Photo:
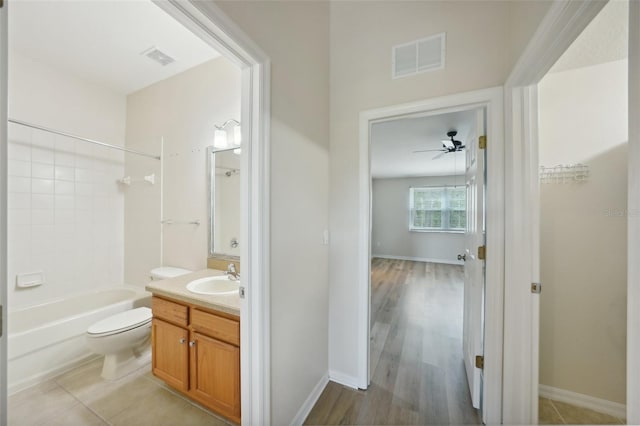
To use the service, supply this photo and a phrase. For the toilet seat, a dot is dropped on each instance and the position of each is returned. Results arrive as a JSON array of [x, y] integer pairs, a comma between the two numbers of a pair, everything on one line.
[[121, 322]]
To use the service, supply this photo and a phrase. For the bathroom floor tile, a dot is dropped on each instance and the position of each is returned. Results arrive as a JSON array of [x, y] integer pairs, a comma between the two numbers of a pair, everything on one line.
[[158, 407], [35, 407], [78, 415], [81, 397]]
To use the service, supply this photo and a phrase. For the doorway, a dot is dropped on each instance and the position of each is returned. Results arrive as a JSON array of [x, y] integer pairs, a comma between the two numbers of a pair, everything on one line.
[[206, 21], [560, 28], [491, 100], [419, 299]]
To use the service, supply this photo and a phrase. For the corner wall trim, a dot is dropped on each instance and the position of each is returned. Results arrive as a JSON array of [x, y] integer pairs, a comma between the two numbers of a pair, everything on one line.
[[343, 379], [419, 259], [596, 404], [311, 400]]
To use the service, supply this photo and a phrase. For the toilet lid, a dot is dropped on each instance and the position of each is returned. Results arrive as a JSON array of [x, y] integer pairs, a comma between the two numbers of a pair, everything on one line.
[[122, 321], [164, 272]]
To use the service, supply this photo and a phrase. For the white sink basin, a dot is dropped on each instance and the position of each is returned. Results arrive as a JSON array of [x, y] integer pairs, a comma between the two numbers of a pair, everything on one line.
[[214, 285]]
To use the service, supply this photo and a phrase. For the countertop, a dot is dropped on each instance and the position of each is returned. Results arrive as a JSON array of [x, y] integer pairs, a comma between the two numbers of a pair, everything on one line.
[[176, 288]]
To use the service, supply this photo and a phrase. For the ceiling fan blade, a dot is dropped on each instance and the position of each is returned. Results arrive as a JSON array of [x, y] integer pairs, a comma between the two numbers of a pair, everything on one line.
[[439, 155], [447, 143], [428, 150]]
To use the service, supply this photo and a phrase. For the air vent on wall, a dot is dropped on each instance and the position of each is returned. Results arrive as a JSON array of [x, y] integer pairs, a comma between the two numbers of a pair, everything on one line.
[[418, 56], [158, 56]]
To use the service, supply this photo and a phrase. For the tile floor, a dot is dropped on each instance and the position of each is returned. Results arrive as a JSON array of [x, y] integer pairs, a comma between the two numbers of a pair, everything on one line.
[[81, 397], [559, 413]]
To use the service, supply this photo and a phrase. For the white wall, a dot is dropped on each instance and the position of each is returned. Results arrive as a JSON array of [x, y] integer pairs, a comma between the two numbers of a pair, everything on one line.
[[65, 207], [484, 39], [182, 111], [295, 35], [390, 235], [583, 119]]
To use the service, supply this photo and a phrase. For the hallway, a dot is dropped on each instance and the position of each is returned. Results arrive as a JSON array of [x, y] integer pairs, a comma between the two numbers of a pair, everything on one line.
[[416, 352]]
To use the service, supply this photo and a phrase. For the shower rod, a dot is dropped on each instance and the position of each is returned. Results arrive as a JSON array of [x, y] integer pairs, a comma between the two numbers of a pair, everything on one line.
[[69, 135]]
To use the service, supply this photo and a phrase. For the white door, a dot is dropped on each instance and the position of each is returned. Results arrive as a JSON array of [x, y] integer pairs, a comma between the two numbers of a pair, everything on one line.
[[473, 317], [3, 210]]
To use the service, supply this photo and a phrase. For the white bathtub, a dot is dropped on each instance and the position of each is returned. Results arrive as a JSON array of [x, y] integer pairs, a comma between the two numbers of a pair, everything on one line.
[[47, 339]]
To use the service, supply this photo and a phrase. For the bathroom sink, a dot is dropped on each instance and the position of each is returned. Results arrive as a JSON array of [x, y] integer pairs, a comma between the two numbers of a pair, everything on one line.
[[214, 285]]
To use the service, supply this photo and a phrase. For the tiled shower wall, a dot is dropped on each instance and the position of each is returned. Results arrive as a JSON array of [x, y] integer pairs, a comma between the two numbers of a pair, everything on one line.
[[66, 215]]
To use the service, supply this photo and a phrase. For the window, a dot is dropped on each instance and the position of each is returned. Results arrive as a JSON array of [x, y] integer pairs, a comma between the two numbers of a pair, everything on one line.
[[437, 209]]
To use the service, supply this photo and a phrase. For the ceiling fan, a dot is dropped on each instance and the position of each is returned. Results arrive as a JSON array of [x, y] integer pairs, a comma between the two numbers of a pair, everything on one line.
[[448, 146]]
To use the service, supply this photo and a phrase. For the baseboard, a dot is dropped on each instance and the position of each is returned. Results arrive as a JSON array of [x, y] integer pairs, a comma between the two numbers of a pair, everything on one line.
[[311, 400], [420, 259], [343, 379], [596, 404]]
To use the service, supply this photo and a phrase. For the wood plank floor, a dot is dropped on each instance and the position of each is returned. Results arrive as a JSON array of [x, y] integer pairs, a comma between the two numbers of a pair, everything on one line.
[[416, 352]]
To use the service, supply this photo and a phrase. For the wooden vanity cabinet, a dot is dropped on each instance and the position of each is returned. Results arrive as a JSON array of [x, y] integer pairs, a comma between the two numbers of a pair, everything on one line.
[[198, 354]]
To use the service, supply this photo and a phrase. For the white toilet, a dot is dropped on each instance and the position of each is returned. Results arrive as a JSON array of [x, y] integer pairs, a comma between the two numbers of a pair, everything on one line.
[[124, 338]]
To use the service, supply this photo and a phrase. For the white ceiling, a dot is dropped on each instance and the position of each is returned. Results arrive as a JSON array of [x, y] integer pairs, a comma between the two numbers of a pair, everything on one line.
[[393, 143], [102, 41], [604, 40]]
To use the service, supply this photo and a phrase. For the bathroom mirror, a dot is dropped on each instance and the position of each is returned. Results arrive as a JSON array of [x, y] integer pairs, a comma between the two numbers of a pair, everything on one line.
[[224, 202]]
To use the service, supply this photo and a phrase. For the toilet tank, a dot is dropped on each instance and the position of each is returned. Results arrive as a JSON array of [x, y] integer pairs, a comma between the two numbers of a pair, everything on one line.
[[164, 272]]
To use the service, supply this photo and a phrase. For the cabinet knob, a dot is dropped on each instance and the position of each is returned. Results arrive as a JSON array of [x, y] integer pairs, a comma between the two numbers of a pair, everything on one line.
[[192, 343], [182, 340]]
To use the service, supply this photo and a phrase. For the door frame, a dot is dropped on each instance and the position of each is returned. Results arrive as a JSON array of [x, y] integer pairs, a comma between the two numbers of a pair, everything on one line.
[[209, 22], [492, 100], [4, 285], [562, 24]]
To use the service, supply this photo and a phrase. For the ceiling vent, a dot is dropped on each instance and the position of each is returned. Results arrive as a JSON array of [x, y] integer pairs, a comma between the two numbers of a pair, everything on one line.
[[158, 56], [418, 56]]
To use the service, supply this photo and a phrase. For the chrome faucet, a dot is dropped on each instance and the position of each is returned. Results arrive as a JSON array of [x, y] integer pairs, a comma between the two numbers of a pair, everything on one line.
[[232, 273]]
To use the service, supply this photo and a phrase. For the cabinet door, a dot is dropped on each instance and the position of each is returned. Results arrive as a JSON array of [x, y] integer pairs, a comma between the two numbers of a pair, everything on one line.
[[215, 374], [170, 354]]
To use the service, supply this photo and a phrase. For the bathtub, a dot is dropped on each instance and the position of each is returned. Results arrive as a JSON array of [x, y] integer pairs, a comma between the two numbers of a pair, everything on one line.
[[48, 339]]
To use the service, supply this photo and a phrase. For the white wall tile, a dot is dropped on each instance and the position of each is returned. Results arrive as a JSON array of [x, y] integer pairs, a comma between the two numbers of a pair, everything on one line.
[[18, 217], [64, 173], [64, 201], [42, 186], [84, 189], [42, 216], [19, 151], [84, 175], [65, 144], [65, 159], [19, 200], [42, 155], [43, 171], [19, 168], [42, 201], [64, 187], [64, 216], [19, 184], [42, 139], [83, 202]]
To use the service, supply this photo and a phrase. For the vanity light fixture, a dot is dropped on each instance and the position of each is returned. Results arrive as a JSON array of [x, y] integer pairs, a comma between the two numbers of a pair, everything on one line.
[[220, 138]]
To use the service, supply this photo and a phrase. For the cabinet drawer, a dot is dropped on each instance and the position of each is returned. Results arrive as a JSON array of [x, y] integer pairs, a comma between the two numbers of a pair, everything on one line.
[[214, 326], [170, 311]]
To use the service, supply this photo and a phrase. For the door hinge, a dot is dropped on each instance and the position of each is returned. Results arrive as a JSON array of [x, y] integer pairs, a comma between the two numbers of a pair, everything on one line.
[[536, 288], [241, 291], [480, 362], [482, 142], [482, 252]]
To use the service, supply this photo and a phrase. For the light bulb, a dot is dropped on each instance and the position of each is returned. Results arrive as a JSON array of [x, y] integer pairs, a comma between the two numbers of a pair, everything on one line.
[[220, 139], [237, 135]]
